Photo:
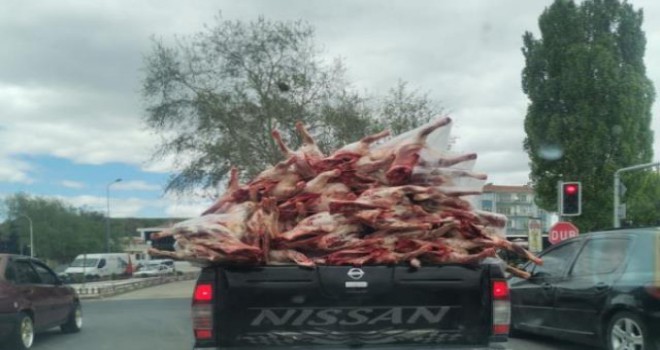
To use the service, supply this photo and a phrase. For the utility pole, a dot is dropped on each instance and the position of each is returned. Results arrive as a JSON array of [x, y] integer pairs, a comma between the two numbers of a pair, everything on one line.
[[31, 236], [617, 186]]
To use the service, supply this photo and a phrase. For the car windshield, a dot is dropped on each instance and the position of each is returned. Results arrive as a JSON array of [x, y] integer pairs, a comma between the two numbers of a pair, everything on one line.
[[84, 263], [316, 165]]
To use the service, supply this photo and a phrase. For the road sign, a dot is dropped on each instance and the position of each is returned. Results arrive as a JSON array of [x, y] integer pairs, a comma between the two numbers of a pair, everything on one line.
[[562, 231], [534, 240], [622, 211]]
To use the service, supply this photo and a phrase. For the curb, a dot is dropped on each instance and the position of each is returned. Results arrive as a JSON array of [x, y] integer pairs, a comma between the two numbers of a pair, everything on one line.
[[97, 292]]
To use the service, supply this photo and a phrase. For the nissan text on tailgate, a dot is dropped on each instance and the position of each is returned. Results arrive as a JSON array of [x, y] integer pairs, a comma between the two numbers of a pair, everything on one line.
[[341, 307]]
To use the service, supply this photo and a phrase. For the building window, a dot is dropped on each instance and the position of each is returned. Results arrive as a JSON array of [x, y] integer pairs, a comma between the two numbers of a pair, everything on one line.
[[504, 210], [487, 205]]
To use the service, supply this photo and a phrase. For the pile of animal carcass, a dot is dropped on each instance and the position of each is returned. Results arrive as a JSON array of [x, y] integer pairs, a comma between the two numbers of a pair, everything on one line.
[[375, 201]]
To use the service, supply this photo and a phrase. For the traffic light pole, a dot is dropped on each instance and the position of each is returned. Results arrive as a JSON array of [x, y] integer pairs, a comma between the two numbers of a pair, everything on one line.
[[559, 210], [617, 186]]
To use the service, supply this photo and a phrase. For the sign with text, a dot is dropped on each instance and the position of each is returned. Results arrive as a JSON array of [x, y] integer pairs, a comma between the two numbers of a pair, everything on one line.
[[562, 231], [534, 239]]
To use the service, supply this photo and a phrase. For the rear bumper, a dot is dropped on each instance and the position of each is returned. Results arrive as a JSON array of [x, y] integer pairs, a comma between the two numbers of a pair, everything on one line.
[[7, 324], [494, 346]]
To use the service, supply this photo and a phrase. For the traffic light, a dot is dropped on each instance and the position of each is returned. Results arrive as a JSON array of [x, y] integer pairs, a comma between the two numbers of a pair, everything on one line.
[[571, 199]]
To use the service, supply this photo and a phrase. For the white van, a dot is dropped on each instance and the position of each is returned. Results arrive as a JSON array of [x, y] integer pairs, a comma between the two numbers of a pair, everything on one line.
[[95, 266]]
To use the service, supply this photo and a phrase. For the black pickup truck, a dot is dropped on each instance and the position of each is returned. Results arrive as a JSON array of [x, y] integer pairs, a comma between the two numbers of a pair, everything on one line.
[[342, 307]]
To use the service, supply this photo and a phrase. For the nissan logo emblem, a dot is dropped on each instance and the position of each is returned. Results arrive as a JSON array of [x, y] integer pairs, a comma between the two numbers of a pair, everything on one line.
[[355, 273]]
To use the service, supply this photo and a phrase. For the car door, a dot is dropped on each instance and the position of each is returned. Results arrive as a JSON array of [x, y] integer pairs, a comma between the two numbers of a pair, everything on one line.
[[533, 299], [29, 286], [582, 295], [61, 299]]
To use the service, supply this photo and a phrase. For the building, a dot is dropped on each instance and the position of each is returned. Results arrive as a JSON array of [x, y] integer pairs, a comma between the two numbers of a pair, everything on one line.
[[517, 203], [144, 242]]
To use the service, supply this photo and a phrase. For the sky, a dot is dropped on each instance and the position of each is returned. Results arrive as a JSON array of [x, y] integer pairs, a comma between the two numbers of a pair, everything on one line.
[[71, 114]]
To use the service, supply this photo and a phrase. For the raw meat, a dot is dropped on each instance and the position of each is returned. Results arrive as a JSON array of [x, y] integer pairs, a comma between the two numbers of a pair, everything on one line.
[[374, 201]]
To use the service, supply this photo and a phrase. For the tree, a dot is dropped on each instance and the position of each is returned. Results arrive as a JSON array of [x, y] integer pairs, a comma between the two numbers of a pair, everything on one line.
[[60, 231], [642, 199], [403, 110], [589, 109], [215, 98]]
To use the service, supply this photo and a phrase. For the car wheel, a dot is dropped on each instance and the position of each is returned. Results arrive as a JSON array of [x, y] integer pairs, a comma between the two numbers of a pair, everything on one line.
[[75, 320], [23, 335], [626, 331]]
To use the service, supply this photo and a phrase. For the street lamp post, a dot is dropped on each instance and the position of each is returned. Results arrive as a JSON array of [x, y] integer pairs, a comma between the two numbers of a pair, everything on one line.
[[31, 236], [107, 217]]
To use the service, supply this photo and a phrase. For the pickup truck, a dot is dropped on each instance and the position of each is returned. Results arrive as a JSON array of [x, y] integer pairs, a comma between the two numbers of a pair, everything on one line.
[[340, 307]]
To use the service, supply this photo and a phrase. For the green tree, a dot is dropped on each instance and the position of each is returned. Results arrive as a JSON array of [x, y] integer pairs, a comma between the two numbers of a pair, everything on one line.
[[589, 109], [60, 231], [215, 97], [642, 199]]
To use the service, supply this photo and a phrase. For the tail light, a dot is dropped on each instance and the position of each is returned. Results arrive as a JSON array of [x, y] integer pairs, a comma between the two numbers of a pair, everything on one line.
[[501, 307], [202, 311], [653, 289]]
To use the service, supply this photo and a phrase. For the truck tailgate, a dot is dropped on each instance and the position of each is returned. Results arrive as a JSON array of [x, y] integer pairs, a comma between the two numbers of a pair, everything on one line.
[[345, 306]]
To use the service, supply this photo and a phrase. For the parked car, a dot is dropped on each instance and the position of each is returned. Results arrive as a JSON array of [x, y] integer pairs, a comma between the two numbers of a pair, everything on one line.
[[600, 288], [167, 262], [33, 299], [154, 269]]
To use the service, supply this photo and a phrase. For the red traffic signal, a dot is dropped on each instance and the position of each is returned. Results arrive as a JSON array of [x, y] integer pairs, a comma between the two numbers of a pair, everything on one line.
[[570, 199], [571, 189]]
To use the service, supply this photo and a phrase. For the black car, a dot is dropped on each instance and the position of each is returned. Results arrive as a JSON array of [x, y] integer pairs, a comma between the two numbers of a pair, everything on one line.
[[601, 288]]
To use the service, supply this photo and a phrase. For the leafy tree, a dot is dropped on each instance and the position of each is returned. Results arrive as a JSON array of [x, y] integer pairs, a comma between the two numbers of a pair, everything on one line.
[[60, 231], [642, 199], [589, 109], [215, 97], [404, 110]]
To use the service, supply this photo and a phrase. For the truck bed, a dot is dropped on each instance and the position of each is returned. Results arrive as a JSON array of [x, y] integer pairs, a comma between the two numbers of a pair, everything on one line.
[[344, 307]]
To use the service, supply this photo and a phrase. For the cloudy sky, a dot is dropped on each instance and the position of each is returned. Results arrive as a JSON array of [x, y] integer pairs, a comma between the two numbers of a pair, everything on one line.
[[70, 75]]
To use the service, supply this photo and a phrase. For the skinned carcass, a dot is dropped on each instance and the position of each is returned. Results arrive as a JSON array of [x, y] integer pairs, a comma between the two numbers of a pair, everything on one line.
[[375, 201]]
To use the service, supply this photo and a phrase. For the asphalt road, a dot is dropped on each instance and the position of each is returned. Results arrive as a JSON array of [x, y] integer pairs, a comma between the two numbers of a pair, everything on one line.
[[159, 318]]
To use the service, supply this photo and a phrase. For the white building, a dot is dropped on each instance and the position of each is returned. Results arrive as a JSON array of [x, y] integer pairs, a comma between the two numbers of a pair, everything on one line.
[[517, 203]]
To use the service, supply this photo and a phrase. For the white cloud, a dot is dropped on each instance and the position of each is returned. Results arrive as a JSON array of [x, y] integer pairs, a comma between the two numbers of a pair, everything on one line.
[[119, 207], [73, 184], [188, 205], [137, 185], [185, 210], [13, 170], [173, 206]]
